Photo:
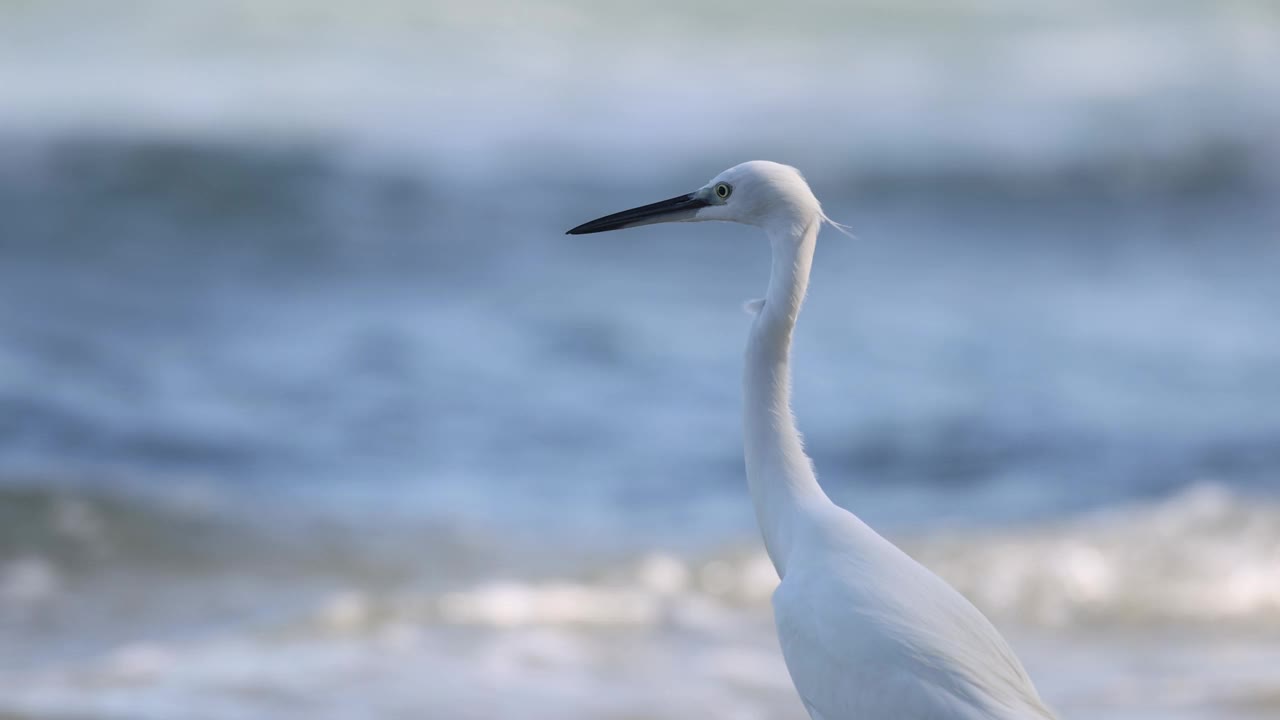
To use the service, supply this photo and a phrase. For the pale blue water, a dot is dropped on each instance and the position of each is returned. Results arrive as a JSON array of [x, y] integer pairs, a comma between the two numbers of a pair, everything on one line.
[[308, 408]]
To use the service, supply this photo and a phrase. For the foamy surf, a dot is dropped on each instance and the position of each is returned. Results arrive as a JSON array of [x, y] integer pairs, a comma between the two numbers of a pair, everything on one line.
[[1203, 556], [1191, 578]]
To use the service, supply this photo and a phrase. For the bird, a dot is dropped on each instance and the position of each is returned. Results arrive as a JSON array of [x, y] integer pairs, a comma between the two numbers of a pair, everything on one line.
[[866, 632]]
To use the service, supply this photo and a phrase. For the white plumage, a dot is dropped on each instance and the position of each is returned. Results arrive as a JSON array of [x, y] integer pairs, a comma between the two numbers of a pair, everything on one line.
[[867, 632]]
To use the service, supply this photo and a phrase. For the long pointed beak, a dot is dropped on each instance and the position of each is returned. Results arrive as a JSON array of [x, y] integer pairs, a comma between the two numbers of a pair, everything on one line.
[[673, 210]]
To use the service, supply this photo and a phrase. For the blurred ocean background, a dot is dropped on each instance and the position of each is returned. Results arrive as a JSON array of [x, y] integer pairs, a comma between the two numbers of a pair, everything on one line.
[[309, 409]]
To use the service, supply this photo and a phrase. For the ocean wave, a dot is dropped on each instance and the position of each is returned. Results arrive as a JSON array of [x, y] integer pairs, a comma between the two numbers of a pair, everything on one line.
[[158, 200], [1086, 601], [1098, 94], [155, 545], [1202, 556], [1205, 555], [76, 530]]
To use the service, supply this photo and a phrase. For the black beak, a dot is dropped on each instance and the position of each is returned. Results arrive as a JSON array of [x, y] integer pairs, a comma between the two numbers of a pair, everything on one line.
[[673, 210]]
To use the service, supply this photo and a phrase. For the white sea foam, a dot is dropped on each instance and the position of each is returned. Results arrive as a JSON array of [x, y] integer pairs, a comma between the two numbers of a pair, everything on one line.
[[1112, 611], [1202, 556], [1060, 84]]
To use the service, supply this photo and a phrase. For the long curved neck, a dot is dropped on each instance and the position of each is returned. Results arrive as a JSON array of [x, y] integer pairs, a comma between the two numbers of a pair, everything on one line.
[[779, 474]]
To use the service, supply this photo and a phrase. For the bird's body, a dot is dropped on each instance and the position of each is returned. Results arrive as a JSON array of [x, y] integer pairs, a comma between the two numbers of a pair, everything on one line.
[[867, 632]]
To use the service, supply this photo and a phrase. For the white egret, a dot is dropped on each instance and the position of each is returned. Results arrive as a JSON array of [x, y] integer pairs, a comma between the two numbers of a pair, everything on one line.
[[867, 632]]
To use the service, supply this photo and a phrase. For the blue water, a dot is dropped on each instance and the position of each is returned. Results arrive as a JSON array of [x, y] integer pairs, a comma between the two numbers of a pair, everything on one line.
[[984, 353]]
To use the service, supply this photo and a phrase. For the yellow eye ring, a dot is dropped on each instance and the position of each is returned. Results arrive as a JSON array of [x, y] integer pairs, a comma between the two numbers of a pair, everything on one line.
[[723, 190]]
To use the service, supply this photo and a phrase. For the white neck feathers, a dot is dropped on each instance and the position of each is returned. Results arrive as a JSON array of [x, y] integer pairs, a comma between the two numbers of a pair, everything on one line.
[[779, 474]]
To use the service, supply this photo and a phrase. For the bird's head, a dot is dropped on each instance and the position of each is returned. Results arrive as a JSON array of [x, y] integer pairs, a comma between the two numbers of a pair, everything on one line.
[[765, 194]]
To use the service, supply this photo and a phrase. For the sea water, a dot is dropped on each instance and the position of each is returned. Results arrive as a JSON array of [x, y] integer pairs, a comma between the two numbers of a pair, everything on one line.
[[309, 409]]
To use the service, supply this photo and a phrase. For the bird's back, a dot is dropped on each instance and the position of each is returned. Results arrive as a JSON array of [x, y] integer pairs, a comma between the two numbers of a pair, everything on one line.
[[870, 634]]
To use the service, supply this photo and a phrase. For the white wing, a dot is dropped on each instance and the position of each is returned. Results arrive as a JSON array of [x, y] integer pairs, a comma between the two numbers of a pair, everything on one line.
[[870, 634]]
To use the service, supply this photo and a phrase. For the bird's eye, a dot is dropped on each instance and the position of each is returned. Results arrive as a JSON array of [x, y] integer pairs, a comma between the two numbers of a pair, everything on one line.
[[723, 190]]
